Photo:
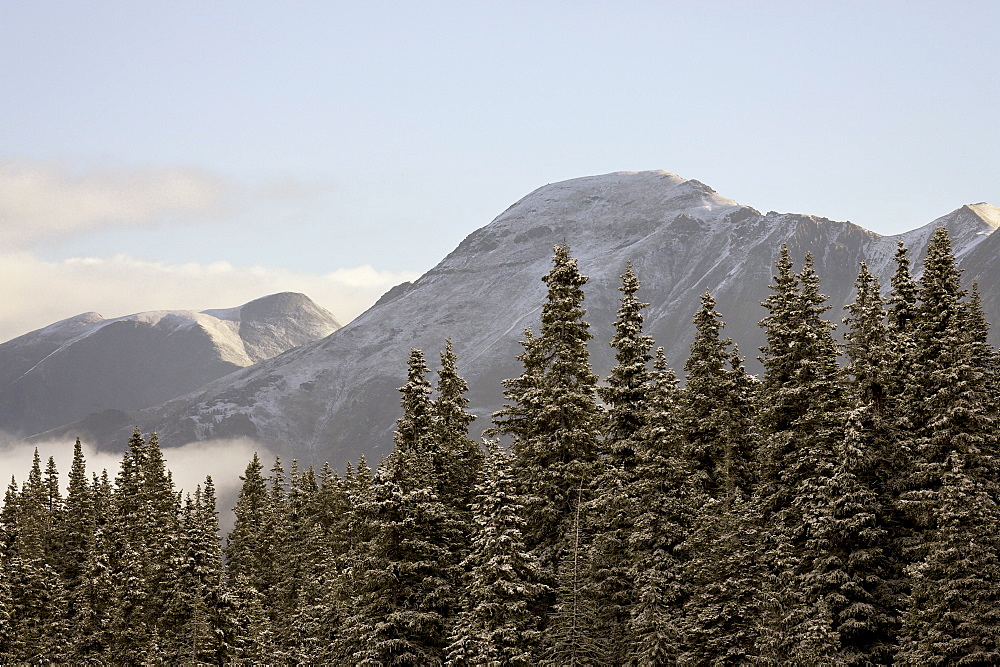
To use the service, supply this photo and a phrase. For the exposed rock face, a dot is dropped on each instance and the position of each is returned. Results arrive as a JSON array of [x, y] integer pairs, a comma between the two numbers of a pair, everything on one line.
[[336, 398], [89, 364]]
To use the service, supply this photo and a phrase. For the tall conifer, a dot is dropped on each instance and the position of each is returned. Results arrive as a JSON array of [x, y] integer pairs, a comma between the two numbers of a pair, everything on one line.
[[552, 413]]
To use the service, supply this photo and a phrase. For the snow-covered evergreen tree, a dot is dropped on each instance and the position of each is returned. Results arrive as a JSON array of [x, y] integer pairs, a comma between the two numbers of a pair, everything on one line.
[[499, 625], [401, 576], [717, 409], [801, 420], [458, 458], [954, 611], [663, 493], [552, 414], [38, 597], [608, 587]]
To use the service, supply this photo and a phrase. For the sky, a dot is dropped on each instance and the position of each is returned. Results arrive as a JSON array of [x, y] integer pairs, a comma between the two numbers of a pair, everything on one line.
[[193, 155]]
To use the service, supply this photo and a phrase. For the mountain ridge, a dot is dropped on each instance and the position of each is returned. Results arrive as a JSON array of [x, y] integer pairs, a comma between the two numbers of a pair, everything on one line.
[[174, 351], [336, 398]]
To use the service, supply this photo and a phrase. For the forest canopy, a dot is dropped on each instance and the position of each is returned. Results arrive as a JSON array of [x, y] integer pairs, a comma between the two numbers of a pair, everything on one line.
[[842, 508]]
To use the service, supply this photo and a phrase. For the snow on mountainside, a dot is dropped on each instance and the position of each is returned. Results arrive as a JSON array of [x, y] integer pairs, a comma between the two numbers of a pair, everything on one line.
[[336, 398], [87, 363]]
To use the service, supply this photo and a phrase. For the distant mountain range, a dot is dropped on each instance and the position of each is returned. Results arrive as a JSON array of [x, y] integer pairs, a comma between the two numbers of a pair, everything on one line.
[[335, 398], [88, 364]]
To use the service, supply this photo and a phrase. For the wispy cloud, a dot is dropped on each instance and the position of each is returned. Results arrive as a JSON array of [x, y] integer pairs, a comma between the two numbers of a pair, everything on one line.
[[43, 200], [38, 292]]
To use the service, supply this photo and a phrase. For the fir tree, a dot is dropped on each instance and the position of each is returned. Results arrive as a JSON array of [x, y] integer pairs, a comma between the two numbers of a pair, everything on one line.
[[552, 413], [717, 409], [663, 493], [610, 514], [498, 624], [801, 419]]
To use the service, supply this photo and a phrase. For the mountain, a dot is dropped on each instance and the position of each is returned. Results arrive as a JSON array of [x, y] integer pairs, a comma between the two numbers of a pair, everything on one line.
[[87, 363], [336, 398]]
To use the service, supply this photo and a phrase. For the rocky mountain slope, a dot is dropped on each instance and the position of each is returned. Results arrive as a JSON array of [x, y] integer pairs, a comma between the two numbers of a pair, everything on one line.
[[85, 364], [336, 398]]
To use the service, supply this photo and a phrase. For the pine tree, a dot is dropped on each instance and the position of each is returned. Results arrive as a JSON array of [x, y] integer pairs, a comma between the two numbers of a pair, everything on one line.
[[459, 458], [801, 419], [717, 408], [954, 611], [552, 414], [498, 624], [664, 497]]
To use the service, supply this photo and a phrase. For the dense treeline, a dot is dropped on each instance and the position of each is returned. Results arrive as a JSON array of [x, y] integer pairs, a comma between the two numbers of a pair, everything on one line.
[[821, 514]]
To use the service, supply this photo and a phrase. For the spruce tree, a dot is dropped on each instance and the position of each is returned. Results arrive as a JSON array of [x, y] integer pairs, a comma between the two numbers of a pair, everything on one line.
[[38, 597], [246, 546], [663, 494], [801, 420], [401, 574], [459, 458], [552, 414], [498, 624], [717, 409], [951, 415], [78, 539], [716, 418], [413, 428], [954, 611], [610, 514]]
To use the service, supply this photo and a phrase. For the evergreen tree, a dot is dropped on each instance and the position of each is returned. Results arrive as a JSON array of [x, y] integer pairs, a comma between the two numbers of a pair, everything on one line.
[[954, 611], [552, 414], [37, 593], [723, 546], [717, 409], [951, 420], [949, 392], [413, 428], [459, 458], [200, 609], [628, 383], [663, 494], [144, 536], [608, 587], [498, 625], [244, 550], [903, 300], [401, 575], [801, 420]]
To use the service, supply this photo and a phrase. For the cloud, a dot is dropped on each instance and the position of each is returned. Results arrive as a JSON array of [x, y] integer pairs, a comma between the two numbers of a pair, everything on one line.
[[223, 460], [38, 292], [41, 200]]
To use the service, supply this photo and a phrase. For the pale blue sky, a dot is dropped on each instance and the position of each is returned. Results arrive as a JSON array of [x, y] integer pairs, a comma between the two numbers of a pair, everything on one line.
[[299, 138]]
